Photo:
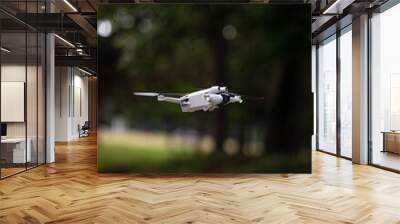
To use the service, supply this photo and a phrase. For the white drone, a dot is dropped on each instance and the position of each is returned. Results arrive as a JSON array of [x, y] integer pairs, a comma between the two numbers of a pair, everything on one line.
[[205, 99]]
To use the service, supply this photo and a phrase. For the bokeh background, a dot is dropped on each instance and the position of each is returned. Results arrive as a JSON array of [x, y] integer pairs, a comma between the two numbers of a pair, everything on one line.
[[254, 49]]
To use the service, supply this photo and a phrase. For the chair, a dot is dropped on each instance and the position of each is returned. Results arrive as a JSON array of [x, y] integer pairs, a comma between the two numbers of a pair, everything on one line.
[[84, 130]]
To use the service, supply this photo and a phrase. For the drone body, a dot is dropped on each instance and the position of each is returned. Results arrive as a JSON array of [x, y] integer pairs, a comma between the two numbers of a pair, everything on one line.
[[205, 99]]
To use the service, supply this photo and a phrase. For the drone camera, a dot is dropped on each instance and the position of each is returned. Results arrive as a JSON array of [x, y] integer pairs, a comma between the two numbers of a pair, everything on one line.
[[222, 89], [214, 98]]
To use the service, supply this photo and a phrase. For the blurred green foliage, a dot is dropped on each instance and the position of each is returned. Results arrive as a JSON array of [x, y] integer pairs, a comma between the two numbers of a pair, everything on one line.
[[123, 158], [254, 49]]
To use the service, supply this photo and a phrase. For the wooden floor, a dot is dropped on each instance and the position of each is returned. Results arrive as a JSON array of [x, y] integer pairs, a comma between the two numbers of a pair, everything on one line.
[[5, 172], [387, 159], [71, 191]]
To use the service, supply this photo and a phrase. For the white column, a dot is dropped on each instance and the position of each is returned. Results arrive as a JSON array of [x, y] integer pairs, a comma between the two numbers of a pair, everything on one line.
[[360, 90], [50, 99], [50, 92]]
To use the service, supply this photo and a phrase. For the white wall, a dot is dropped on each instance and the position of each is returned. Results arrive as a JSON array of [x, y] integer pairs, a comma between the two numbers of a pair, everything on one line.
[[12, 73], [81, 104], [71, 102], [17, 73], [33, 126], [62, 81]]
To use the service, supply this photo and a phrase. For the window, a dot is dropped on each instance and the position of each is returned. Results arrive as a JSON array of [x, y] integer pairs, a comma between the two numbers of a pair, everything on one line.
[[385, 88], [327, 95], [346, 92]]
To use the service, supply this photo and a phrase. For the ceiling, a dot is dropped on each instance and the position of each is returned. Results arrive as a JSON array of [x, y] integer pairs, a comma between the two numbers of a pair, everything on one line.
[[74, 21]]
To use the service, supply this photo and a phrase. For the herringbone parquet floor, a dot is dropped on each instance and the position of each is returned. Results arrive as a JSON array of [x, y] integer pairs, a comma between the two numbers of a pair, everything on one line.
[[71, 191]]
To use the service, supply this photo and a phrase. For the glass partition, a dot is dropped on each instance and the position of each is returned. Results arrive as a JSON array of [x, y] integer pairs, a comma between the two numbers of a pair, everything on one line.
[[327, 95], [15, 149], [32, 103], [22, 88], [31, 100], [41, 91]]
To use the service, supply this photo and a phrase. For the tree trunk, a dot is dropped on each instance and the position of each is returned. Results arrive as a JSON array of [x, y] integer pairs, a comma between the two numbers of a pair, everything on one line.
[[220, 50], [241, 138], [283, 123]]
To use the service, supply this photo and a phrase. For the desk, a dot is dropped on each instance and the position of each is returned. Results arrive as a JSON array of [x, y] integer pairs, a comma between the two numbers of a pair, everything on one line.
[[15, 148], [391, 141]]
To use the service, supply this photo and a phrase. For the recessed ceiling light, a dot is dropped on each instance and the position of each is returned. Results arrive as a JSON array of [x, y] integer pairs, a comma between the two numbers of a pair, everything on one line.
[[5, 50], [337, 7], [84, 71], [70, 5], [64, 40]]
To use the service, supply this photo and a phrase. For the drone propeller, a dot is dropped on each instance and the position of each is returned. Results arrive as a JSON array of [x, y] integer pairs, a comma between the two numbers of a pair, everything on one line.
[[252, 97], [158, 94], [246, 97], [145, 94]]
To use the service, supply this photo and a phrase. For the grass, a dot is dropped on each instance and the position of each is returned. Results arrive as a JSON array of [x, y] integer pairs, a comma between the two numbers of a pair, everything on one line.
[[125, 158]]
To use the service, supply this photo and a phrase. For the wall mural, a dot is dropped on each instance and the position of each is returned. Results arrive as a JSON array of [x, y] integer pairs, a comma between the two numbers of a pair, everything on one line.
[[204, 88]]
